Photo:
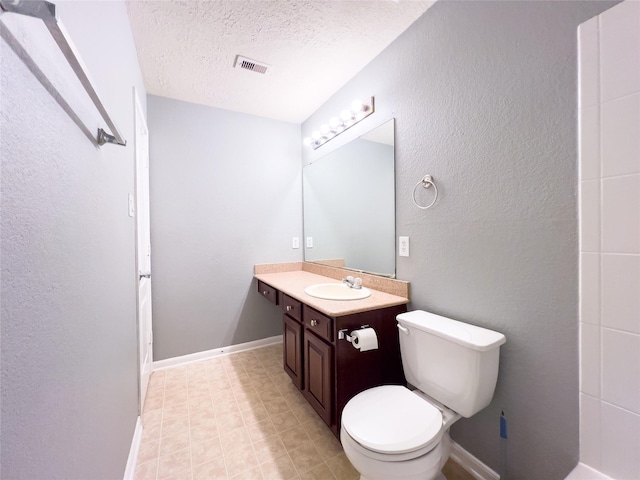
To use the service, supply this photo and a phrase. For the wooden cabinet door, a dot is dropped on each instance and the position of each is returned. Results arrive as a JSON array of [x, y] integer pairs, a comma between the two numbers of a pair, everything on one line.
[[292, 350], [318, 375]]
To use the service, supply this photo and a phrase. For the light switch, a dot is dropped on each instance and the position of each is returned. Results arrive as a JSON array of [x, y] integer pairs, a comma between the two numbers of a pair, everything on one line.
[[295, 242], [309, 242], [403, 246]]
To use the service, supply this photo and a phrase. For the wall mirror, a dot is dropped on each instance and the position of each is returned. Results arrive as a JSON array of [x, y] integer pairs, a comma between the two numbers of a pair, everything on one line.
[[349, 205]]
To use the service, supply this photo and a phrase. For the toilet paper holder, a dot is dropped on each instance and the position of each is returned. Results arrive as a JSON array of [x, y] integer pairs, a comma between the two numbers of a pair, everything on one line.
[[343, 335]]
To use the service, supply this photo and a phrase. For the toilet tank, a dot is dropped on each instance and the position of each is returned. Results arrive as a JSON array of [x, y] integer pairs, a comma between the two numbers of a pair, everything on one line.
[[453, 362]]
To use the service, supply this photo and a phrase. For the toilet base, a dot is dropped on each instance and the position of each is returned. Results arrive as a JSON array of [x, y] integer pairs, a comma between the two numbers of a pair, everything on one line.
[[426, 467]]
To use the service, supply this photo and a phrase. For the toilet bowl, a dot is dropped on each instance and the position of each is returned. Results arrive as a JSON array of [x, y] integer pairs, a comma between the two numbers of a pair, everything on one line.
[[393, 433]]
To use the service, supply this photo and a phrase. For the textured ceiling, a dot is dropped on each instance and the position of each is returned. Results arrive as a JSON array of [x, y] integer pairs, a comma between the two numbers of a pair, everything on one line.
[[187, 49]]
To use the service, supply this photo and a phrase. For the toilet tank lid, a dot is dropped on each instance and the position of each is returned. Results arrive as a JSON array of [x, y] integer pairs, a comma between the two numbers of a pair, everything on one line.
[[469, 336]]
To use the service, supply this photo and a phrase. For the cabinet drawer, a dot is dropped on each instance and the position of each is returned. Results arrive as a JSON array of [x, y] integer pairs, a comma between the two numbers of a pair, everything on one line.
[[268, 292], [292, 307], [318, 323]]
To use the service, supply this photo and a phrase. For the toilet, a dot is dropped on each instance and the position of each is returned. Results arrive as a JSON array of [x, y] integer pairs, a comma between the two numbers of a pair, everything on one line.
[[394, 433]]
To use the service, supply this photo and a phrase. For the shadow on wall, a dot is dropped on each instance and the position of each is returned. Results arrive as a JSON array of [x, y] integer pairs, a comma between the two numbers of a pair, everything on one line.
[[257, 318]]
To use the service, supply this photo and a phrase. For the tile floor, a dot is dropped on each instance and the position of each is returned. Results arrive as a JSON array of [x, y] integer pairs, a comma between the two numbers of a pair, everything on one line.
[[237, 417]]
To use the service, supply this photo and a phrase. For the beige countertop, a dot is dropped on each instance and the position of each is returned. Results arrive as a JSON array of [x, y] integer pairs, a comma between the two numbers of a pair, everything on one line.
[[294, 282]]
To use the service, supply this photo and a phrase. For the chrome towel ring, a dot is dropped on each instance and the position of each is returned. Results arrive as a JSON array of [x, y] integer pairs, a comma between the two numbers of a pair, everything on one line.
[[426, 182]]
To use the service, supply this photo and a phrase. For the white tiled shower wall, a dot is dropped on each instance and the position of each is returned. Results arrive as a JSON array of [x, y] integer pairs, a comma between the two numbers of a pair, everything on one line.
[[609, 65]]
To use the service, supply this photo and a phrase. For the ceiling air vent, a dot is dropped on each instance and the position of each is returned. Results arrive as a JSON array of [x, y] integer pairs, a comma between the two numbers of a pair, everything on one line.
[[253, 65]]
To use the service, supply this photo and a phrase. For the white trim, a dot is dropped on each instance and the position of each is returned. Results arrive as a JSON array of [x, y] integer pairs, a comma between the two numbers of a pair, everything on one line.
[[471, 464], [584, 472], [130, 469], [207, 354]]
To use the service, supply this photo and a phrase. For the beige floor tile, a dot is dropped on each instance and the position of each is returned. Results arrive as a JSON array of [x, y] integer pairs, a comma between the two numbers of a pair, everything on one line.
[[148, 450], [153, 402], [203, 432], [184, 475], [261, 430], [254, 413], [175, 411], [284, 421], [228, 407], [240, 460], [204, 452], [277, 406], [253, 474], [235, 418], [315, 427], [269, 394], [146, 470], [280, 468], [294, 438], [175, 397], [174, 443], [174, 463], [319, 472], [342, 468], [453, 471], [213, 470], [202, 415], [235, 440], [200, 402], [261, 381], [229, 423], [305, 458], [175, 426], [152, 427], [269, 449], [328, 445], [221, 396], [244, 392], [304, 414], [221, 383]]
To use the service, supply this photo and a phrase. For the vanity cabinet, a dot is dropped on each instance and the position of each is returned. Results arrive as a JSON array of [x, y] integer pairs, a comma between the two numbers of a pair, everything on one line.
[[327, 370], [268, 292], [292, 347], [318, 375]]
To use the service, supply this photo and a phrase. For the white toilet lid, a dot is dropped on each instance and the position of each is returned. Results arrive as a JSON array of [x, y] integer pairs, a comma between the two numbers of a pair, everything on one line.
[[392, 419]]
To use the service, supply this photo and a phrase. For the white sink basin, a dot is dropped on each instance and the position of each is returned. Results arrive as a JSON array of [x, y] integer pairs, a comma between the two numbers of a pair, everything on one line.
[[337, 291]]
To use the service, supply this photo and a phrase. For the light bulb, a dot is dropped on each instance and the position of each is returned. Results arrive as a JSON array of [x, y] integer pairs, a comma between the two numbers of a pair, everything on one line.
[[307, 142], [346, 115], [357, 106], [316, 135], [335, 123], [324, 130]]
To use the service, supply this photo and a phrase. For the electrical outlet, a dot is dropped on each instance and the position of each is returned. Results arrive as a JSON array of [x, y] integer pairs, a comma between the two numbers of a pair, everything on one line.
[[403, 246], [309, 242], [295, 242]]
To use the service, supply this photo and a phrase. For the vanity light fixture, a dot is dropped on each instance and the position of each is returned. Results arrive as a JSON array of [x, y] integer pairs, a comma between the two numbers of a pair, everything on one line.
[[347, 119]]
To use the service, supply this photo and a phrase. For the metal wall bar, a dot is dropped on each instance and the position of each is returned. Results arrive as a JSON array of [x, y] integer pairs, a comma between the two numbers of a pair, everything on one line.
[[46, 11]]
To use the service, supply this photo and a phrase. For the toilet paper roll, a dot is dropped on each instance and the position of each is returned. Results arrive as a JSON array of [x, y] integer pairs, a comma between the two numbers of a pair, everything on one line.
[[364, 339]]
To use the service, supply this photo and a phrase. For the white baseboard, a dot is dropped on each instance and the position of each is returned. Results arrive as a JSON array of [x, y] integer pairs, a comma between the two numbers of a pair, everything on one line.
[[130, 469], [585, 472], [208, 354], [471, 464]]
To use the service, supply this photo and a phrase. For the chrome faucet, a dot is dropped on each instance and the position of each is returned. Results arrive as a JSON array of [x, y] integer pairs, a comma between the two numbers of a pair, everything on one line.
[[353, 282]]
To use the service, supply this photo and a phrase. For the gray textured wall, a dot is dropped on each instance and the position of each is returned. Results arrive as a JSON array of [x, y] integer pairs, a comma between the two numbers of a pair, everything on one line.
[[69, 360], [485, 97], [225, 194]]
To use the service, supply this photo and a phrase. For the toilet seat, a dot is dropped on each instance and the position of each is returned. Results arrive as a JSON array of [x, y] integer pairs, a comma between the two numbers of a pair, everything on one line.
[[392, 423]]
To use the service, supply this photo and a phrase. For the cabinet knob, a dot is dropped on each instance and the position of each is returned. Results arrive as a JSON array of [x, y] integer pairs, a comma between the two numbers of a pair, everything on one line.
[[265, 292], [289, 308], [314, 322]]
